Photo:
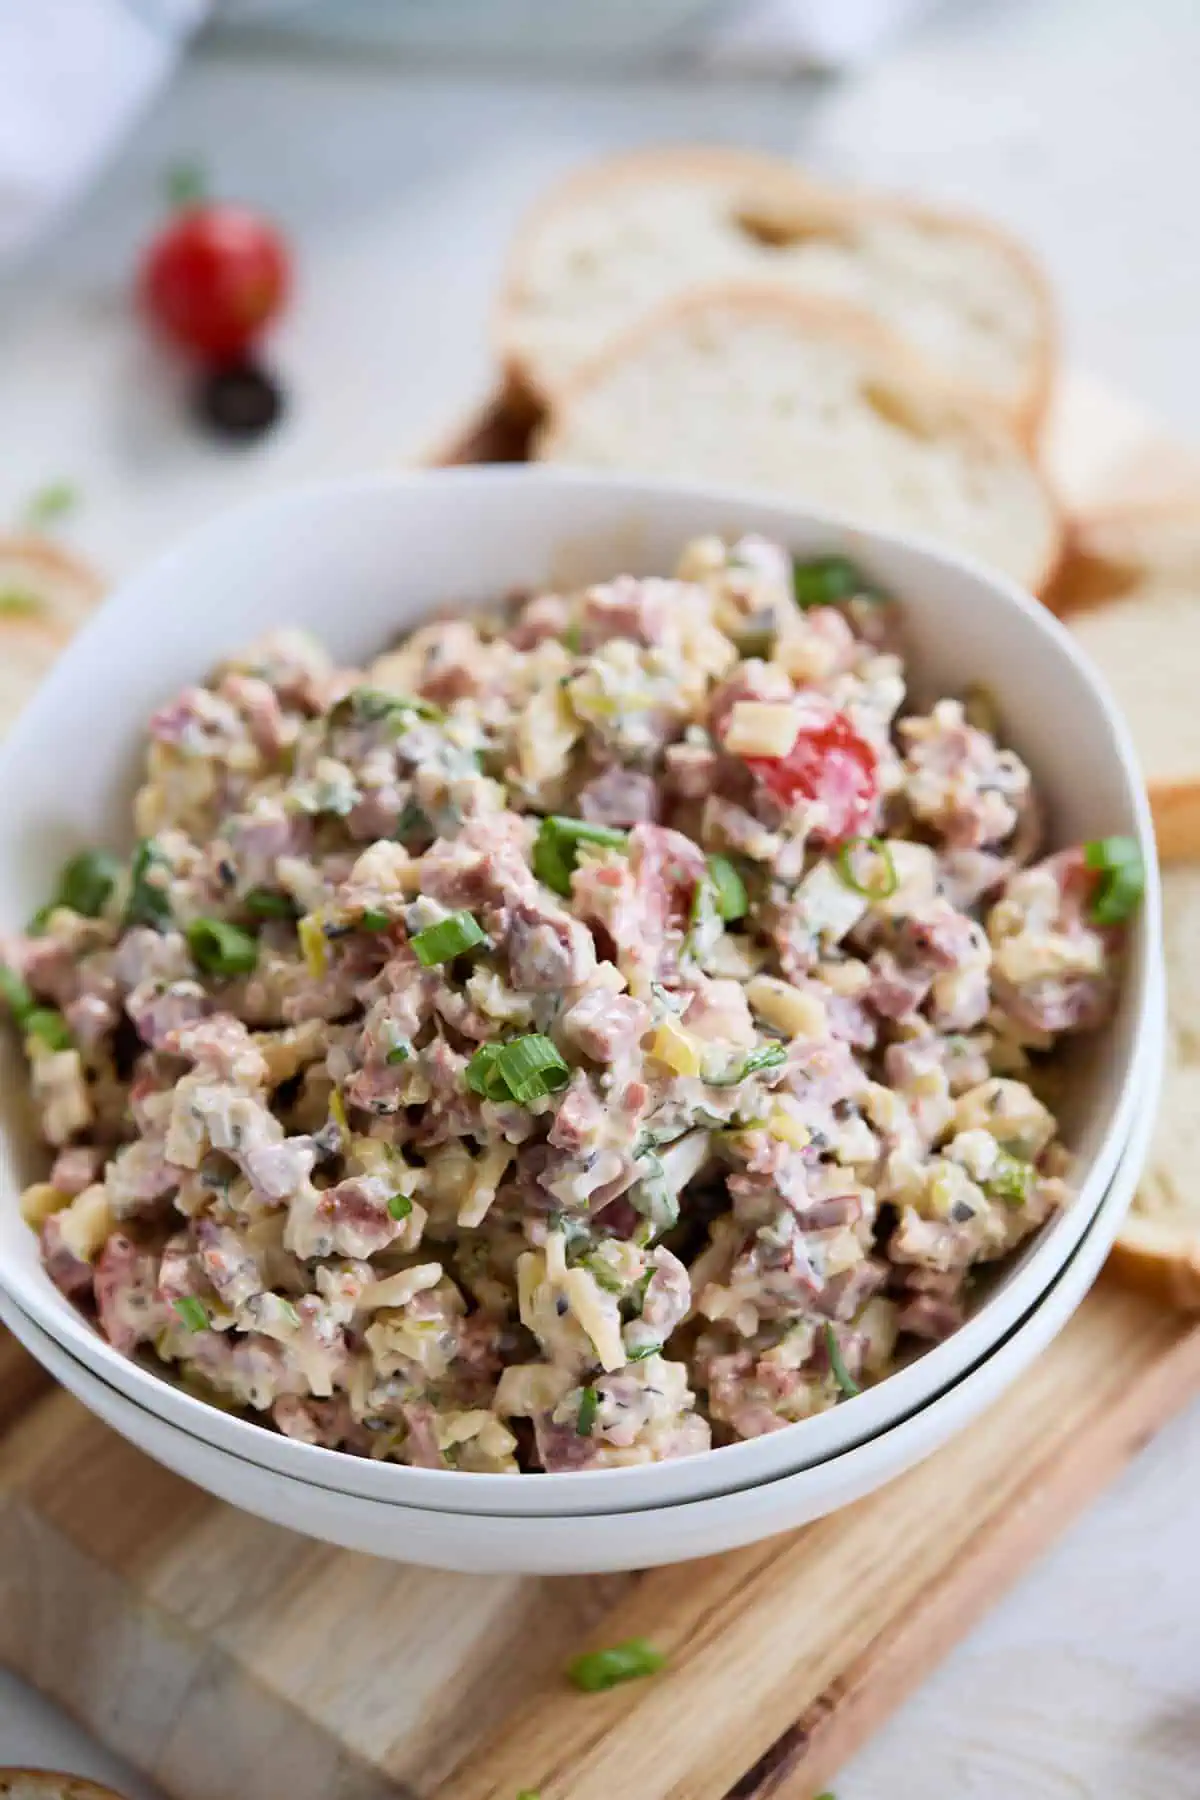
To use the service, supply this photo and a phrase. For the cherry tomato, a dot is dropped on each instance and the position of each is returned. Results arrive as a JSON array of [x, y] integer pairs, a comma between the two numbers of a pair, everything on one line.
[[831, 763], [213, 279]]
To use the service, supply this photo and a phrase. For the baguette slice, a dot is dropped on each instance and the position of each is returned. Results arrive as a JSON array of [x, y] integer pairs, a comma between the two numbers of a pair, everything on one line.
[[45, 1784], [45, 596], [617, 240], [1158, 1248], [759, 390], [1130, 592]]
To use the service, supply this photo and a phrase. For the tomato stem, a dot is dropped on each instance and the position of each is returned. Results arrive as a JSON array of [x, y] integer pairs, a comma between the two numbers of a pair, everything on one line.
[[187, 185]]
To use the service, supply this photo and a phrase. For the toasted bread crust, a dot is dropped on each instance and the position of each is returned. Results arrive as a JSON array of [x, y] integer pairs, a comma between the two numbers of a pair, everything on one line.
[[49, 1785], [769, 180]]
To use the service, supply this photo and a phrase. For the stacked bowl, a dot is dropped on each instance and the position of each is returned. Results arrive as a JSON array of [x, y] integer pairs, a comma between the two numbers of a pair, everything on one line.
[[356, 562]]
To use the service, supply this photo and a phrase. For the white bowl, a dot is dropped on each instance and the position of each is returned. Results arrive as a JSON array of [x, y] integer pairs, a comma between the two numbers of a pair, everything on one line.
[[647, 1537], [358, 560]]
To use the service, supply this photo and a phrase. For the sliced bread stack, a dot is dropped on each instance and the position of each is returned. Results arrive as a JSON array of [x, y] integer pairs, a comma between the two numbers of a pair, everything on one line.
[[1130, 592], [716, 315]]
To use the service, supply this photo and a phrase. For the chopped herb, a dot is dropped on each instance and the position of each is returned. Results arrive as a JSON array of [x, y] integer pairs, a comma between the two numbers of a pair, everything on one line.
[[40, 919], [49, 1027], [525, 1069], [884, 883], [147, 903], [400, 1051], [16, 995], [643, 1351], [837, 1364], [192, 1312], [220, 948], [589, 1405], [375, 919], [1122, 878], [448, 938], [400, 1206], [372, 706], [767, 1056], [557, 846], [187, 184], [603, 1276], [19, 603], [1010, 1180], [413, 822], [601, 1669], [731, 896], [86, 882], [51, 503], [826, 580], [264, 903]]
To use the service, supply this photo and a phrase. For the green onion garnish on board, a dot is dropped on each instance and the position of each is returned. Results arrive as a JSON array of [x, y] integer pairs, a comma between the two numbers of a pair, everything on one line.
[[220, 948], [447, 939], [557, 846], [600, 1669], [1118, 860]]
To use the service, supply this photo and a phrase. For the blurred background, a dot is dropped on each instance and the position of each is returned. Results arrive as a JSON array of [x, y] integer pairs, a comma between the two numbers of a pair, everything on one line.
[[397, 142]]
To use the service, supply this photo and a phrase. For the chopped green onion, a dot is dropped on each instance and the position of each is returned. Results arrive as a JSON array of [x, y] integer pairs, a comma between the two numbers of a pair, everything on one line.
[[557, 846], [187, 184], [589, 1405], [147, 904], [1122, 878], [16, 995], [40, 920], [192, 1312], [375, 919], [87, 881], [1010, 1179], [371, 706], [603, 1276], [530, 1068], [264, 903], [888, 880], [767, 1056], [601, 1669], [448, 938], [826, 580], [481, 1073], [220, 948], [51, 503], [400, 1052], [644, 1351], [19, 603], [49, 1027], [400, 1206], [731, 896], [413, 821], [841, 1373], [529, 1794]]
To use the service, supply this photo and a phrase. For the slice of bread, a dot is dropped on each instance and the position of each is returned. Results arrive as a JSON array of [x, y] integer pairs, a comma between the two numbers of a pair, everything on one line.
[[45, 596], [1130, 592], [45, 1784], [1158, 1248], [755, 389], [617, 240]]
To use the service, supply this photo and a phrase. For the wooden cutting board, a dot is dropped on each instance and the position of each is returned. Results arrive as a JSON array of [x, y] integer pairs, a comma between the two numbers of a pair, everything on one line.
[[231, 1660]]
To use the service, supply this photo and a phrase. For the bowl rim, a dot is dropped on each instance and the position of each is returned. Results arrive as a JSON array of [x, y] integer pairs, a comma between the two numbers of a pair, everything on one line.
[[899, 1392]]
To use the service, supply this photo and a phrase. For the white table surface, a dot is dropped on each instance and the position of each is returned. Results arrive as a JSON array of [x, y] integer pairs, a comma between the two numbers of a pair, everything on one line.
[[1075, 120]]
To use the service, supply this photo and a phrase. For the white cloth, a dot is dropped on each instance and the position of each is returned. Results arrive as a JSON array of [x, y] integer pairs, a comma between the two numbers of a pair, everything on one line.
[[74, 75]]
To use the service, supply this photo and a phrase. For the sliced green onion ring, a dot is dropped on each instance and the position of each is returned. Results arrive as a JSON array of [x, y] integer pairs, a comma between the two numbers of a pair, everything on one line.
[[826, 580], [732, 898], [589, 1405], [400, 1206], [449, 938], [265, 903], [220, 948], [881, 889], [556, 848], [86, 882], [192, 1312]]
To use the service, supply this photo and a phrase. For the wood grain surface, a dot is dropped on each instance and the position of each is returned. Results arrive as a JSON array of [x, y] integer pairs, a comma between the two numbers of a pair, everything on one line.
[[226, 1657]]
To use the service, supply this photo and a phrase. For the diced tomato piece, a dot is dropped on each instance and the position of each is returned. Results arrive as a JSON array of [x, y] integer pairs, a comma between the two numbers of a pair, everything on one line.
[[831, 763]]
